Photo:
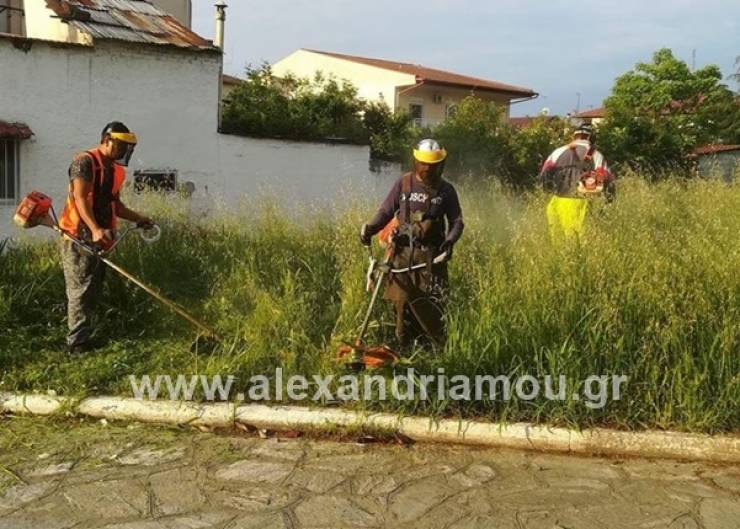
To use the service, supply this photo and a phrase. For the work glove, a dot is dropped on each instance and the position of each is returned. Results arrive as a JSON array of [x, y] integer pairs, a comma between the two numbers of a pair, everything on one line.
[[365, 237], [102, 236], [447, 248]]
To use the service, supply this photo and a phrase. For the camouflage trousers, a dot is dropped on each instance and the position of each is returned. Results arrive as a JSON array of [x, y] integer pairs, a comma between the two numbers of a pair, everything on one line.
[[83, 279]]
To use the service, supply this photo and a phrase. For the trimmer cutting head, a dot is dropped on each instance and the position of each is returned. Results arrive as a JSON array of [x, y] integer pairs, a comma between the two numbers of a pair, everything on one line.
[[360, 357], [205, 344]]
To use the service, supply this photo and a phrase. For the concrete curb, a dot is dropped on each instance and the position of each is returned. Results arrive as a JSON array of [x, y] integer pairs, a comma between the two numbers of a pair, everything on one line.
[[596, 441]]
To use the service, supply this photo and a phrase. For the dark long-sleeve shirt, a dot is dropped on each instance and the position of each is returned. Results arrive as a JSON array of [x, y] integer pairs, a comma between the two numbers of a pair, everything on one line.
[[445, 204]]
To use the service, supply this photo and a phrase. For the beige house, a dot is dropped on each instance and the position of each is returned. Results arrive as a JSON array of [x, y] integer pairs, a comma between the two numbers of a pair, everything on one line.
[[228, 84], [427, 94]]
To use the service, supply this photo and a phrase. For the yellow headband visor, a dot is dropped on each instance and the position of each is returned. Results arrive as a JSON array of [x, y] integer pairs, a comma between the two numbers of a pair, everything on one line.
[[125, 137]]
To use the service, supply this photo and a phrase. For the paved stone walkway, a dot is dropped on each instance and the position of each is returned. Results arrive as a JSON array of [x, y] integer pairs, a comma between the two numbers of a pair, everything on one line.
[[90, 475]]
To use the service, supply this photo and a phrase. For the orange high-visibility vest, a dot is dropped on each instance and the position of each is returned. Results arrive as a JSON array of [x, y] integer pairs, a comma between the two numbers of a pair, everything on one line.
[[70, 220]]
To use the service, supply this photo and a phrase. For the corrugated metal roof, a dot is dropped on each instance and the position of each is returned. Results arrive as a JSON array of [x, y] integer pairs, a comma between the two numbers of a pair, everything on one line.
[[135, 6], [127, 20]]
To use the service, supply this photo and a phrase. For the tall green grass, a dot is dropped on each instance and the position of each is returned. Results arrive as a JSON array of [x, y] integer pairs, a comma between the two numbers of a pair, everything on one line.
[[651, 292]]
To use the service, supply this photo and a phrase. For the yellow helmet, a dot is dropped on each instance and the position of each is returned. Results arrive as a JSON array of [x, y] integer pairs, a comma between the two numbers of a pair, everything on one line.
[[429, 151]]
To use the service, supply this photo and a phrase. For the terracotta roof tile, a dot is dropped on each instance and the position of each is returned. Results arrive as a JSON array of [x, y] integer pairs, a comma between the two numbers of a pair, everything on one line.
[[15, 130], [714, 149], [598, 112], [231, 80]]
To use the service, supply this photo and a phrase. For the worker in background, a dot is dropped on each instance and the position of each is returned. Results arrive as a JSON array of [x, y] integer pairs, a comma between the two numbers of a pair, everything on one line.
[[574, 173], [422, 216], [93, 205]]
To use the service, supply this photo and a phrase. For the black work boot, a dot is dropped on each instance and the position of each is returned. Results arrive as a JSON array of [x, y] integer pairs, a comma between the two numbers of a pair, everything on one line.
[[79, 348]]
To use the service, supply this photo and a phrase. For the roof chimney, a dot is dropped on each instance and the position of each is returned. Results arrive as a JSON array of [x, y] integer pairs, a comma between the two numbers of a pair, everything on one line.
[[220, 24]]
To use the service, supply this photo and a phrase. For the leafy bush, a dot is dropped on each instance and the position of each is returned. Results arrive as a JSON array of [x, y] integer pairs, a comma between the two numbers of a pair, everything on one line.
[[390, 133], [482, 142], [478, 139], [296, 109], [533, 144]]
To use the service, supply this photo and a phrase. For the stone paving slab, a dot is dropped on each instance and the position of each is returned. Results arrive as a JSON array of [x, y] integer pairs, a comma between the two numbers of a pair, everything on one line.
[[87, 475]]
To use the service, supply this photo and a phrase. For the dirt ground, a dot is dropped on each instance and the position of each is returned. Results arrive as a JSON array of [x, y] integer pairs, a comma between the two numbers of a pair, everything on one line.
[[86, 474]]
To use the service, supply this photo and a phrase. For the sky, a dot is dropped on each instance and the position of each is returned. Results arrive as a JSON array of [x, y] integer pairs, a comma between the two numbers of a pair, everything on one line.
[[559, 48]]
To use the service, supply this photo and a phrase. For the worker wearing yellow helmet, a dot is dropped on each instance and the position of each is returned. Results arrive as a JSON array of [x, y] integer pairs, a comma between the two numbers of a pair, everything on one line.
[[422, 218], [90, 213]]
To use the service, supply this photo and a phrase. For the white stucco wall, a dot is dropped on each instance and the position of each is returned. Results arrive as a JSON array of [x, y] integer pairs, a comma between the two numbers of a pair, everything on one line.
[[67, 93]]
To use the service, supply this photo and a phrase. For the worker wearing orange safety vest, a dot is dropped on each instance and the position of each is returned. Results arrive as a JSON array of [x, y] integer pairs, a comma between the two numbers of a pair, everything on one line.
[[90, 213]]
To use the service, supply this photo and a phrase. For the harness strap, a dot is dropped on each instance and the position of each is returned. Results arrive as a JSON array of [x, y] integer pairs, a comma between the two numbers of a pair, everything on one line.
[[406, 190], [406, 185], [98, 173]]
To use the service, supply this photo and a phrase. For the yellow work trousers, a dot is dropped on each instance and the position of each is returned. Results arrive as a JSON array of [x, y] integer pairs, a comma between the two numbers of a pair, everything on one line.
[[566, 217]]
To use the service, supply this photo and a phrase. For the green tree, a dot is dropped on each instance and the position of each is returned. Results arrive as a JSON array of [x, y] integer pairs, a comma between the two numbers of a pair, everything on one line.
[[390, 133], [315, 109], [294, 108], [659, 111], [258, 106], [533, 144], [478, 139], [325, 108], [736, 76], [482, 143]]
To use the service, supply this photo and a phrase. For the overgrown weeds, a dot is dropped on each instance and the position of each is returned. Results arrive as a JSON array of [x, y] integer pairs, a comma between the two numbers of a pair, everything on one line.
[[651, 292]]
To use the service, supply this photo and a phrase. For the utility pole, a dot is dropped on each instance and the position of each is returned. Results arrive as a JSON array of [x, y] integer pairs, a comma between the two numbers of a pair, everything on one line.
[[693, 60], [578, 102]]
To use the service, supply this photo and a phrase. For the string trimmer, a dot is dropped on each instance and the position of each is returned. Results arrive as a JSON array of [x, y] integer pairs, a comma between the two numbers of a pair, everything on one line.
[[359, 356], [36, 210]]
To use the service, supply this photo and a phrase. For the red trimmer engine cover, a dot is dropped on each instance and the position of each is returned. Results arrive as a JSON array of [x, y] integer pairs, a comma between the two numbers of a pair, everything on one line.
[[32, 210]]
